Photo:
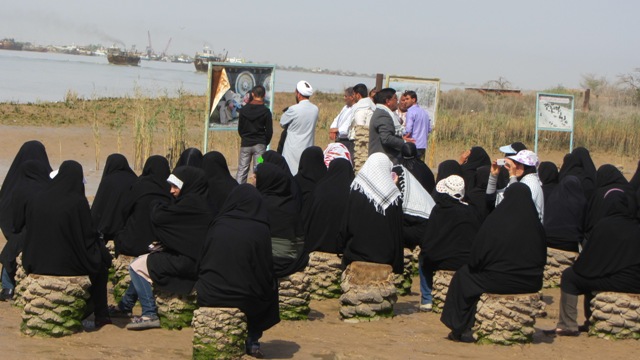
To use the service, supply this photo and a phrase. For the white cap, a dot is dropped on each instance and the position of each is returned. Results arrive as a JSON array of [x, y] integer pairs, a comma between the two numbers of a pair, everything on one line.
[[173, 180], [304, 88]]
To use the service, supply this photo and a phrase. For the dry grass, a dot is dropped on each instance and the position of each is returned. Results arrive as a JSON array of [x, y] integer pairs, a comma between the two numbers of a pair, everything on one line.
[[168, 125]]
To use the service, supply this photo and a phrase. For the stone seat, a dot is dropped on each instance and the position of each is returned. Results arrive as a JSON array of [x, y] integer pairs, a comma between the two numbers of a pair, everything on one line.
[[294, 296], [557, 262], [404, 281], [441, 281], [506, 319], [54, 305], [324, 272], [368, 292], [219, 333], [22, 282], [615, 315], [174, 310], [119, 275]]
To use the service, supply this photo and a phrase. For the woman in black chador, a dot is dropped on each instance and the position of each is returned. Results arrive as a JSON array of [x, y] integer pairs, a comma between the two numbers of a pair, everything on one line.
[[107, 206], [417, 167], [180, 229], [310, 170], [236, 269], [371, 229], [60, 237], [453, 224], [219, 179], [564, 215], [579, 164], [30, 150], [608, 177], [287, 232], [190, 157], [470, 161], [549, 177], [610, 261], [507, 257], [326, 209], [151, 187]]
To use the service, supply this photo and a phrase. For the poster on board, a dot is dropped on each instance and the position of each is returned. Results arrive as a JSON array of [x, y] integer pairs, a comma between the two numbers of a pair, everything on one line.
[[427, 90], [230, 87], [555, 112]]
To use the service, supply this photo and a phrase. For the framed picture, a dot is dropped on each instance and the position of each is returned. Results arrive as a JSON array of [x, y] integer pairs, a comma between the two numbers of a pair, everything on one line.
[[428, 91], [554, 112], [228, 90]]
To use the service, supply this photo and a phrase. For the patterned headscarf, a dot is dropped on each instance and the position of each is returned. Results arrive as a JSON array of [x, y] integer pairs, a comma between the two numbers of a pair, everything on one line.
[[375, 181]]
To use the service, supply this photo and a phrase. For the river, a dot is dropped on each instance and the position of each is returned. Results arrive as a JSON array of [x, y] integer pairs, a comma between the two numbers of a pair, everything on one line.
[[29, 77]]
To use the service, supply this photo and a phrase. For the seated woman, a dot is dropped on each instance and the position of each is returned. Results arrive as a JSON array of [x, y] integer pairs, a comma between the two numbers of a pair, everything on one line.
[[326, 210], [29, 151], [287, 233], [219, 179], [151, 187], [508, 256], [446, 243], [190, 157], [310, 170], [107, 206], [564, 215], [579, 164], [417, 167], [470, 161], [371, 229], [548, 174], [60, 239], [180, 229], [236, 268], [610, 261], [608, 177], [477, 197]]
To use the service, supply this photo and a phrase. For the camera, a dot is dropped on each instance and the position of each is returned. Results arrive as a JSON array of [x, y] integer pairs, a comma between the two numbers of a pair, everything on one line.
[[501, 162]]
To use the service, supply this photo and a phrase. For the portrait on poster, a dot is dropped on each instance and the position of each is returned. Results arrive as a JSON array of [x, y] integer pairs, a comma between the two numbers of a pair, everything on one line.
[[230, 89], [427, 90], [555, 112]]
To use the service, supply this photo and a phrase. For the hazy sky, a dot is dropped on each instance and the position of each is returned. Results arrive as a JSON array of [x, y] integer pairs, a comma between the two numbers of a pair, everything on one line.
[[534, 44]]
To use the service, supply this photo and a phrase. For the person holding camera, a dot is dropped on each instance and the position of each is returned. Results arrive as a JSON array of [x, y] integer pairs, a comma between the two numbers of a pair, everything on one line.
[[521, 168]]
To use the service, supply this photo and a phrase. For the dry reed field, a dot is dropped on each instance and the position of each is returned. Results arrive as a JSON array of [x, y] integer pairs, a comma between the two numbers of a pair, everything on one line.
[[143, 126]]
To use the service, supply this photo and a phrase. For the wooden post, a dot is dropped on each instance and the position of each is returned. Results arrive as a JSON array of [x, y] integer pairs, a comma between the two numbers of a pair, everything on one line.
[[379, 78], [585, 104]]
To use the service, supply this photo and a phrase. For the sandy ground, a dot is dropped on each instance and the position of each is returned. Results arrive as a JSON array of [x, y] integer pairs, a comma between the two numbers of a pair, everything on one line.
[[409, 335]]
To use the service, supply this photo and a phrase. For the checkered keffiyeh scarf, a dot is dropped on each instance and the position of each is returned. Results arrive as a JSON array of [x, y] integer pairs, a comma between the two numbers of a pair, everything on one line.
[[416, 201], [375, 182]]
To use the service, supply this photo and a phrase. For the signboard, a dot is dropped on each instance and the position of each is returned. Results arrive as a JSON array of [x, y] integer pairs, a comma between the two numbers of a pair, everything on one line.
[[428, 91], [554, 112], [228, 90]]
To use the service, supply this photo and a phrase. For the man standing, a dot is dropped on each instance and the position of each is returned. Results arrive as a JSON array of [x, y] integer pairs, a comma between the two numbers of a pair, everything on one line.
[[418, 124], [255, 127], [385, 131], [300, 121], [339, 129], [362, 111]]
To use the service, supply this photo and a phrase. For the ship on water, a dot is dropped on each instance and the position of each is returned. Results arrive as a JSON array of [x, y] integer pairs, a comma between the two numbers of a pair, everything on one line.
[[202, 59], [117, 56]]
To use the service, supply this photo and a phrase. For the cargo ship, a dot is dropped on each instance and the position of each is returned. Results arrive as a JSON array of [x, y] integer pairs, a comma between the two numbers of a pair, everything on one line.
[[202, 59], [122, 57]]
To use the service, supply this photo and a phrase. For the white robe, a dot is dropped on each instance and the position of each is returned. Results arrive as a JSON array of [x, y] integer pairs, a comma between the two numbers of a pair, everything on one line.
[[302, 119]]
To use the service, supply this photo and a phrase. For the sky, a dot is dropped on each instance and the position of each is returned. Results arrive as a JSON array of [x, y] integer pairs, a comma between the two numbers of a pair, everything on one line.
[[535, 45]]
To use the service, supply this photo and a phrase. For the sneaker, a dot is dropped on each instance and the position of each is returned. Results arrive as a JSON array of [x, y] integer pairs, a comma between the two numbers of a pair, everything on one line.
[[426, 307], [143, 323], [116, 312], [6, 294]]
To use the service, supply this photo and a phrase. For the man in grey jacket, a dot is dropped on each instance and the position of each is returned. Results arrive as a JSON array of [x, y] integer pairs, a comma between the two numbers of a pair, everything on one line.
[[385, 130]]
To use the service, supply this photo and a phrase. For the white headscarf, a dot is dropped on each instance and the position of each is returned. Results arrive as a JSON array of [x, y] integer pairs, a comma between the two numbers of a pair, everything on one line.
[[375, 182], [416, 201]]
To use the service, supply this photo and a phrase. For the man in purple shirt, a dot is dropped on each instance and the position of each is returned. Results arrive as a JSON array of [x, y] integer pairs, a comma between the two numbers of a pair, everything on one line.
[[418, 123]]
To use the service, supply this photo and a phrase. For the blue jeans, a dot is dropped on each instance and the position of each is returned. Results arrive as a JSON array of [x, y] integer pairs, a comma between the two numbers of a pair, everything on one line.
[[142, 288], [7, 281], [426, 284]]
